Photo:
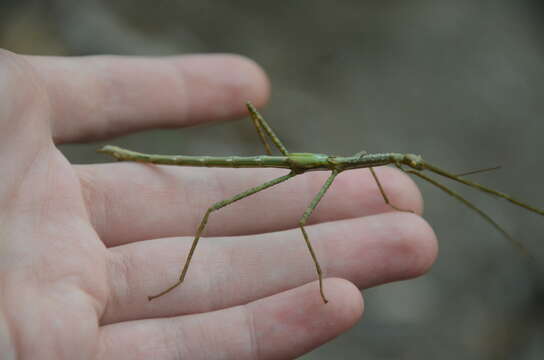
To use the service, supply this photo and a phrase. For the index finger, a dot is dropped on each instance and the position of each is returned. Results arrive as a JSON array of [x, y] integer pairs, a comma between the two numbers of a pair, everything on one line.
[[97, 97]]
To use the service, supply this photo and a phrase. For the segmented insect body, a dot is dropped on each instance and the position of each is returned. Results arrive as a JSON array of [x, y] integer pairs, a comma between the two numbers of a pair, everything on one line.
[[300, 163]]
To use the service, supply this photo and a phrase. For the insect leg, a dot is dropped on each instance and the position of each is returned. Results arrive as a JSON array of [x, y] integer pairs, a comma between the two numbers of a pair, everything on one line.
[[261, 133], [302, 222], [261, 125], [469, 204], [385, 198], [482, 188], [204, 221]]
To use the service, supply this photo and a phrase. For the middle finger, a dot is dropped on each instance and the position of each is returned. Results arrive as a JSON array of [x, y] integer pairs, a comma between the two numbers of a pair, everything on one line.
[[232, 271]]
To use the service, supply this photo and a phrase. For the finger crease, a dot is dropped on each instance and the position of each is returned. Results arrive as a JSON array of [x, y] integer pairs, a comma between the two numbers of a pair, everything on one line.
[[250, 322], [119, 268]]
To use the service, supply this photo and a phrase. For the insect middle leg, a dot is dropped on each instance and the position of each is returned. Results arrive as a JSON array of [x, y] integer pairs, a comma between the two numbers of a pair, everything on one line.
[[204, 221], [302, 222], [382, 191]]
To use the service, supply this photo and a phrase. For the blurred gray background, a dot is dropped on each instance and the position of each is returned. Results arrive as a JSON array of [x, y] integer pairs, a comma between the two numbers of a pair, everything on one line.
[[459, 81]]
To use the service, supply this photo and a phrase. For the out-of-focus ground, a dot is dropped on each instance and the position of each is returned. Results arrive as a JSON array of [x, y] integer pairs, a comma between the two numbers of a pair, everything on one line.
[[458, 81]]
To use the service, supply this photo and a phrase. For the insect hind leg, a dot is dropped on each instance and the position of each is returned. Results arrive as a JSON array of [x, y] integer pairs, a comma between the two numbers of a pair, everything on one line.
[[262, 127], [204, 221]]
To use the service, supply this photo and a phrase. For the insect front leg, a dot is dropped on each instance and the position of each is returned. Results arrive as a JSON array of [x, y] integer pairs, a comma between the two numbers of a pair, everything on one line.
[[470, 205]]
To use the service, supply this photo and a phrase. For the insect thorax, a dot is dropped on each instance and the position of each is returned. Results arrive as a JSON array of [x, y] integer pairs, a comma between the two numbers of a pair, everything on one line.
[[306, 161]]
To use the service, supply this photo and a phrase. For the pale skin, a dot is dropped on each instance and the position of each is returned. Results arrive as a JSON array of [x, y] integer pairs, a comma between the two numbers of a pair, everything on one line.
[[81, 247], [300, 163]]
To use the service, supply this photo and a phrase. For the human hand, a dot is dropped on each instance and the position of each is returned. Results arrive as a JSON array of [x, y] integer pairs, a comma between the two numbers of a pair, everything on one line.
[[81, 247]]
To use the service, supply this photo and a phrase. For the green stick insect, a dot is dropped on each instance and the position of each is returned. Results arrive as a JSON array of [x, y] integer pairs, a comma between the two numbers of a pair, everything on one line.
[[300, 163]]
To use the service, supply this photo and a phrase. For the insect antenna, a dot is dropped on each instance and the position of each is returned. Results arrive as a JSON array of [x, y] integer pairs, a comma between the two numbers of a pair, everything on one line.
[[478, 171], [482, 188], [469, 204]]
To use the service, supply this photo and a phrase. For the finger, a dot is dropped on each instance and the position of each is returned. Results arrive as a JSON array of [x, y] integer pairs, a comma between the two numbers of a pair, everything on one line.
[[232, 271], [24, 126], [97, 97], [282, 326], [131, 202]]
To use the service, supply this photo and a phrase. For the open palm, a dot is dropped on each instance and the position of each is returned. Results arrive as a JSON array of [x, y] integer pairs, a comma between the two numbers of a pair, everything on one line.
[[81, 247]]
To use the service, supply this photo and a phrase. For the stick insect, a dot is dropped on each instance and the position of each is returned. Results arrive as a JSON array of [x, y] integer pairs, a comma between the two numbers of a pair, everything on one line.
[[299, 163]]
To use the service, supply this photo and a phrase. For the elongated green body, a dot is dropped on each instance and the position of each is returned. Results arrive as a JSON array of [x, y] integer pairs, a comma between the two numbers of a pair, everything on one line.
[[302, 162], [298, 162]]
